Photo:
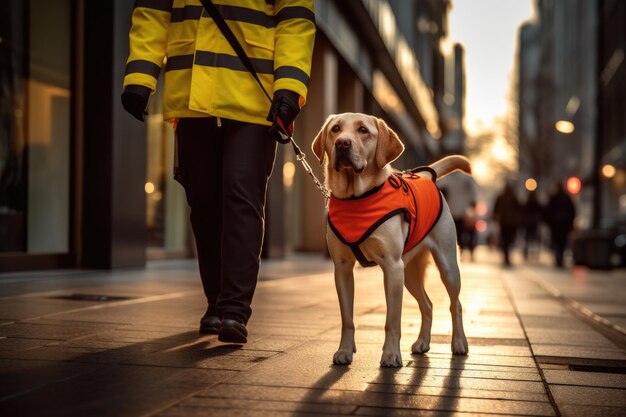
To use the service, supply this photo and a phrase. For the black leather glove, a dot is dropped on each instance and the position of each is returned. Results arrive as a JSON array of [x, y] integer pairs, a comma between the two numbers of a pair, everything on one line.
[[135, 100], [285, 107]]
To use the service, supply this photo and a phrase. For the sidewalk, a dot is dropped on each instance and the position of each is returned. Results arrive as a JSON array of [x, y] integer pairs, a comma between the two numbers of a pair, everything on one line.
[[531, 353]]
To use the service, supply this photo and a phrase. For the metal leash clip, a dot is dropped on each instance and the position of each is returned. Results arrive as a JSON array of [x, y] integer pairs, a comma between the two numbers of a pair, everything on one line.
[[301, 156], [325, 191]]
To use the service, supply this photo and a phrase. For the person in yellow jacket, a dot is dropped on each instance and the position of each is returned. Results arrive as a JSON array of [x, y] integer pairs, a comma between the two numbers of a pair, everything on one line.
[[225, 126]]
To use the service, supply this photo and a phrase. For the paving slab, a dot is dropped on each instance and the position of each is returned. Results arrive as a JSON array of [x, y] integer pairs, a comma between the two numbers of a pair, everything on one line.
[[22, 376], [82, 354], [11, 344], [182, 411], [579, 338], [394, 412], [564, 394], [589, 379], [446, 391], [113, 391], [243, 404], [47, 331], [13, 309], [375, 399], [608, 353], [591, 411]]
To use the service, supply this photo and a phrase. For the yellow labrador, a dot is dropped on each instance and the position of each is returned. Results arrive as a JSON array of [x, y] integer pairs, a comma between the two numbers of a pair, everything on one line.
[[358, 150]]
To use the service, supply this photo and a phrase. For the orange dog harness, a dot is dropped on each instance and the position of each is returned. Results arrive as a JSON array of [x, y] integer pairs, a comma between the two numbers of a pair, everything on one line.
[[353, 220]]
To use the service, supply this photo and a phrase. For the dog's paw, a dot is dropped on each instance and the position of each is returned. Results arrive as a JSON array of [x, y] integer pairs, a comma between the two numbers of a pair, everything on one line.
[[459, 346], [420, 346], [342, 357], [391, 360]]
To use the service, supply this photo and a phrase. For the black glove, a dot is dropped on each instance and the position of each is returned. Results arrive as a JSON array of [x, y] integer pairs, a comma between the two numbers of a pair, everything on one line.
[[285, 107], [135, 100]]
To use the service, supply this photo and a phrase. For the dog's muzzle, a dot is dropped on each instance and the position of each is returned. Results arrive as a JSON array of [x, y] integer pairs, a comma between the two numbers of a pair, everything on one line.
[[345, 156]]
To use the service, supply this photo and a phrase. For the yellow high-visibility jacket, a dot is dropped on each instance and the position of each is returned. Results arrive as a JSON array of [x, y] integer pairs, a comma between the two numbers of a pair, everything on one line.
[[203, 75]]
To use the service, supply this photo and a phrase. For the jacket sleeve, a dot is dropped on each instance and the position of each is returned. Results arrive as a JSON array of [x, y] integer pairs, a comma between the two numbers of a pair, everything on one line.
[[295, 35], [148, 42]]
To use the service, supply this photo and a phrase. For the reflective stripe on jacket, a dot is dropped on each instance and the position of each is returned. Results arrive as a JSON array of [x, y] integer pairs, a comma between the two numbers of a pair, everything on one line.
[[203, 75], [354, 220]]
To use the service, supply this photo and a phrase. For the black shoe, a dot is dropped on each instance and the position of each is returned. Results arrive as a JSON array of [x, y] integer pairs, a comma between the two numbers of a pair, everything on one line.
[[233, 331], [210, 324]]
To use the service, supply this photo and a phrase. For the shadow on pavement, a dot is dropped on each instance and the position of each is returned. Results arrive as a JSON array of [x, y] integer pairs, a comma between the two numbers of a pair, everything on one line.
[[134, 379]]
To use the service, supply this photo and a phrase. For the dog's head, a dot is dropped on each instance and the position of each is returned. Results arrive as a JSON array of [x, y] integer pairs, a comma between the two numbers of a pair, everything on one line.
[[355, 141]]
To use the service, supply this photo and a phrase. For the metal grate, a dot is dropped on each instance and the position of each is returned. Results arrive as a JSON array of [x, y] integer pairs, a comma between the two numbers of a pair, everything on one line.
[[92, 297], [598, 369]]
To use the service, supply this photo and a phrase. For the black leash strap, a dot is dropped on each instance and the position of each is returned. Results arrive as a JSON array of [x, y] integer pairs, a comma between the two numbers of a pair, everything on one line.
[[232, 40]]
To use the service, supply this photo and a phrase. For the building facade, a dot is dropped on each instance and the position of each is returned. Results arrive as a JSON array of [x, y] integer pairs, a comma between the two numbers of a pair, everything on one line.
[[611, 129], [572, 70], [82, 184], [557, 84]]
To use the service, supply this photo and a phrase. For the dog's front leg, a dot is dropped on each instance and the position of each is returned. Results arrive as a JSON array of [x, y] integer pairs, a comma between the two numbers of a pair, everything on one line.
[[394, 285], [344, 283]]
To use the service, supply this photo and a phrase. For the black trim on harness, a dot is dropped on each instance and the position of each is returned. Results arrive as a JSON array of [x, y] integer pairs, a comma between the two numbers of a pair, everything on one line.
[[354, 246], [360, 256], [428, 169]]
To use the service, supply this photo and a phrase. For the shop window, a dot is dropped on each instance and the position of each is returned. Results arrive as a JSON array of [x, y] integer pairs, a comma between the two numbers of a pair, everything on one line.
[[167, 216], [35, 96]]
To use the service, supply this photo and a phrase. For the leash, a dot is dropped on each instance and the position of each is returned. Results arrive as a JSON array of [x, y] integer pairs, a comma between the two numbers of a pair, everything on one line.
[[234, 43]]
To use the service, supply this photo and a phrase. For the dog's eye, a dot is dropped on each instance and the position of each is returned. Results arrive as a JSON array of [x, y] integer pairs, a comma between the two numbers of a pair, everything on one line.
[[363, 129], [335, 129]]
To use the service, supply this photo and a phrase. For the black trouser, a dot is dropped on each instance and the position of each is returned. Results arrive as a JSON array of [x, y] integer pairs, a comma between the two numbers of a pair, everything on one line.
[[225, 171], [507, 237], [559, 244]]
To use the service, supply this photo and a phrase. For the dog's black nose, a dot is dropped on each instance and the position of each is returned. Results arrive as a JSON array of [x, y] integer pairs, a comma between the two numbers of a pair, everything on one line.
[[343, 144]]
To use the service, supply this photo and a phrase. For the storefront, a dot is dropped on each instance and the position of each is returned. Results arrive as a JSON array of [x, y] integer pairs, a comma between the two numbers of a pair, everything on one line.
[[72, 164], [85, 185], [36, 133]]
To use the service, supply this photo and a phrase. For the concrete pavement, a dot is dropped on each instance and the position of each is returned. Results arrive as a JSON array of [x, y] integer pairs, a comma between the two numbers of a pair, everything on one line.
[[69, 347]]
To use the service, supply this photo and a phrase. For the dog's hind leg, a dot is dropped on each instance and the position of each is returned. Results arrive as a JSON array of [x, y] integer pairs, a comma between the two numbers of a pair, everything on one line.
[[414, 276], [444, 249], [446, 259]]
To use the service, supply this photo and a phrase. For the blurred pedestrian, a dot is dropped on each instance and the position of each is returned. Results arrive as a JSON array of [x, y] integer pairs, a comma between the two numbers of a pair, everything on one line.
[[469, 238], [531, 220], [506, 212], [225, 148], [460, 191], [560, 214]]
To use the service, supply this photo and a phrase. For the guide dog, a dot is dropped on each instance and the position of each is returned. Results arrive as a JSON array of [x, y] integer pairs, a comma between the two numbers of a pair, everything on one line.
[[356, 151]]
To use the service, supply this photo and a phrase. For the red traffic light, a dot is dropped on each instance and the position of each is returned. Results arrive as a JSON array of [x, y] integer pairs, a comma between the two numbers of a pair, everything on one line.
[[573, 185]]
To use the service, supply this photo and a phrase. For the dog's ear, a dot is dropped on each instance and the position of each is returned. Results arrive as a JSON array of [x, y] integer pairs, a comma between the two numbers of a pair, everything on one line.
[[389, 146], [319, 143]]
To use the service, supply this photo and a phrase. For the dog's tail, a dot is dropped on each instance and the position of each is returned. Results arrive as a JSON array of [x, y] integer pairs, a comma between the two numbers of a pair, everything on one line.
[[450, 164]]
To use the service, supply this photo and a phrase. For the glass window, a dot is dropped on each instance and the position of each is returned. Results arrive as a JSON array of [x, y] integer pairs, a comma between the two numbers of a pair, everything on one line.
[[166, 204], [35, 126]]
